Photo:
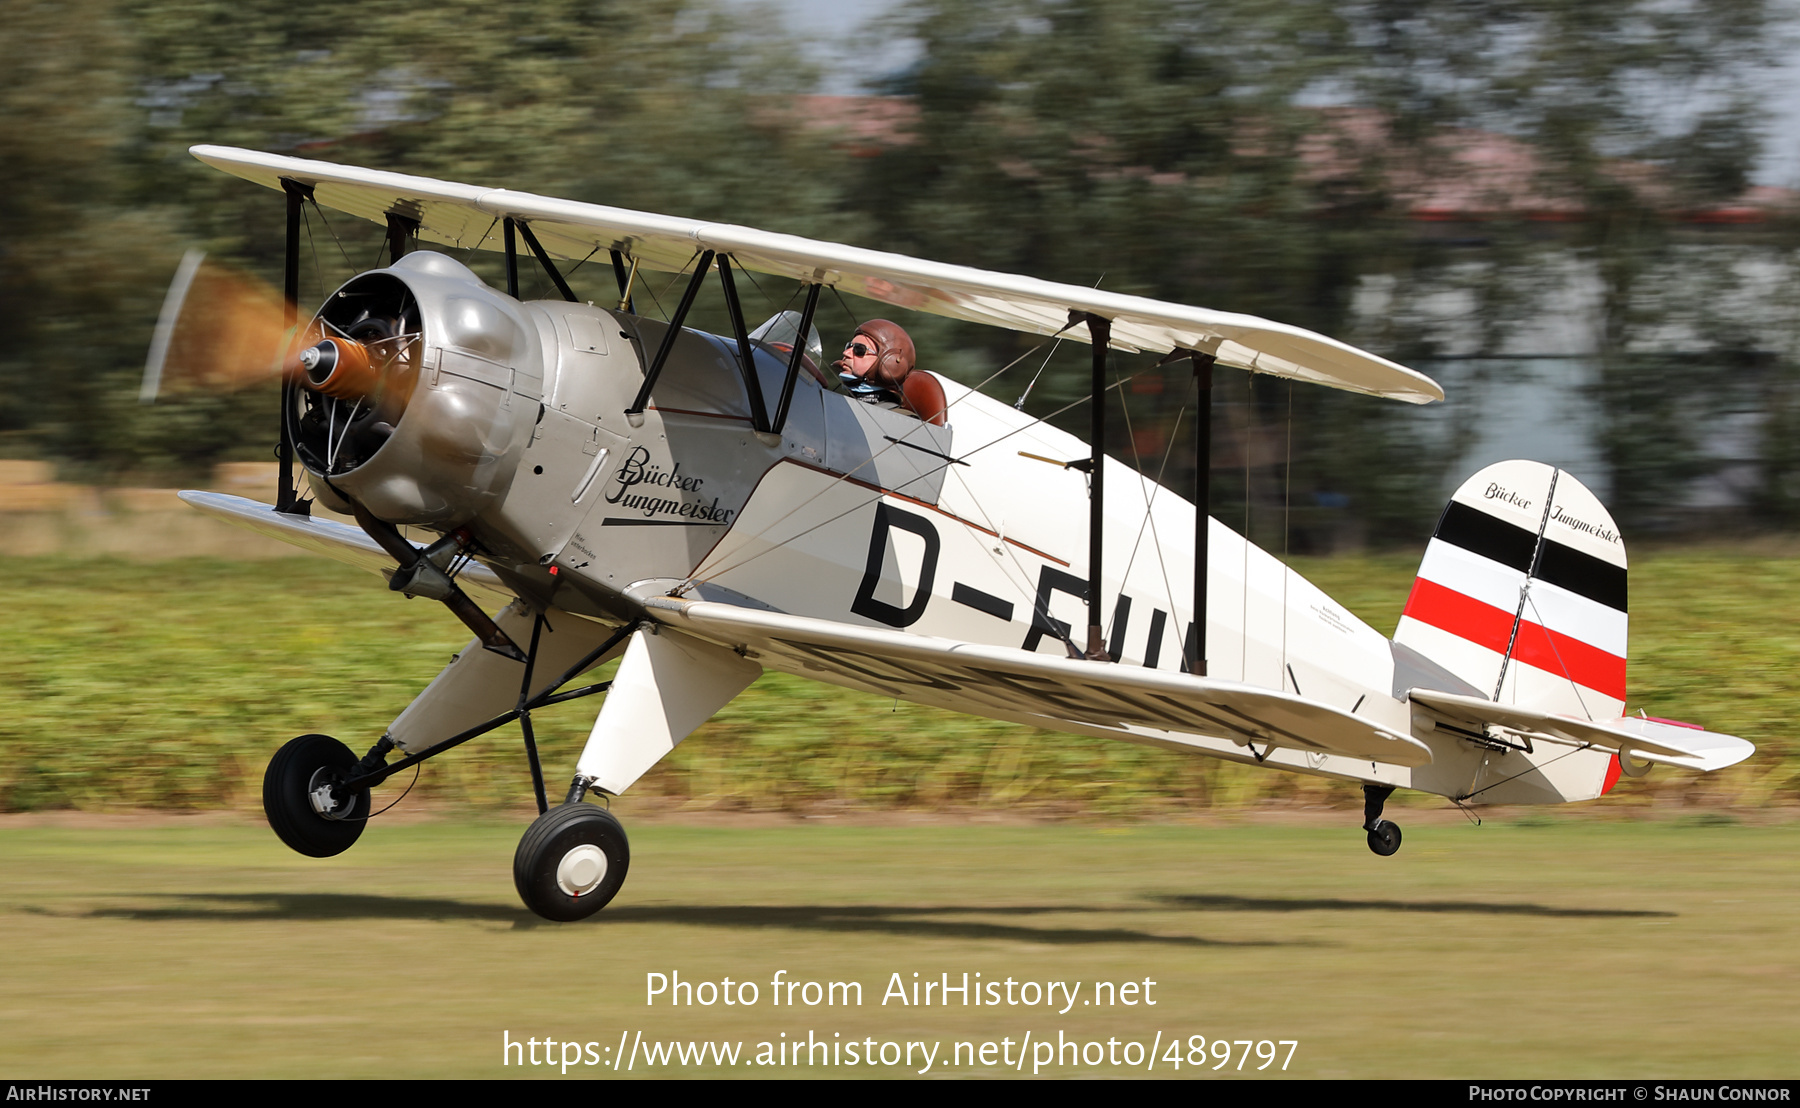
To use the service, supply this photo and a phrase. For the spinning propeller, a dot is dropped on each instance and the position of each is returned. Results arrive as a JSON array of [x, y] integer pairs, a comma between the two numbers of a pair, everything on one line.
[[222, 330], [349, 375]]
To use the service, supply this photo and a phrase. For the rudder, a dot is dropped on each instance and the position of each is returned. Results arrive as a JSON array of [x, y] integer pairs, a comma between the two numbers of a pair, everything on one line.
[[1522, 593]]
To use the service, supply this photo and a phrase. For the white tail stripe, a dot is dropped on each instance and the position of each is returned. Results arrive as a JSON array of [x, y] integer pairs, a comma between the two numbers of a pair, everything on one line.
[[1532, 686], [1470, 661], [1471, 574], [1578, 617]]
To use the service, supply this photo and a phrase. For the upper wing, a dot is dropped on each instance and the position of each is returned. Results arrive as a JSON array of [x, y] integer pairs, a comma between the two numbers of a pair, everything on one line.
[[1045, 690], [328, 537], [465, 215], [1646, 738]]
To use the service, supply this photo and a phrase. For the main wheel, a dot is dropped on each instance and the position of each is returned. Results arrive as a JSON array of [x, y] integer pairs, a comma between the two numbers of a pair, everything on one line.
[[297, 797], [571, 862], [1385, 838]]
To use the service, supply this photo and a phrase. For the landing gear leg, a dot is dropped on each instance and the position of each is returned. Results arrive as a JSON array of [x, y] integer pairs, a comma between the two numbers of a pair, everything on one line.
[[1384, 836]]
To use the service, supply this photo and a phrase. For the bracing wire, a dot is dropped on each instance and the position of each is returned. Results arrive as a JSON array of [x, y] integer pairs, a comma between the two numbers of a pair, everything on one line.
[[854, 322], [470, 253], [334, 236], [1249, 428], [868, 463], [1529, 768], [1579, 699], [657, 300], [581, 263], [1149, 521], [760, 291], [312, 244], [1162, 562], [845, 476], [1019, 404], [713, 574], [1287, 496]]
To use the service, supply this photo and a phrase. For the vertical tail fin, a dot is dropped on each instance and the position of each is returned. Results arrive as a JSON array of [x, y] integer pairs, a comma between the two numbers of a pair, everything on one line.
[[1522, 593]]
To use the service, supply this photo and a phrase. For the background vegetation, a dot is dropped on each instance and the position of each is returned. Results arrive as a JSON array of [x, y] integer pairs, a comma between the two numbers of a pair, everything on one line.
[[1247, 156], [168, 686]]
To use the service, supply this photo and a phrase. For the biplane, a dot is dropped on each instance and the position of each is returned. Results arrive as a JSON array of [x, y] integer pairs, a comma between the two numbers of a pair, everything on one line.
[[705, 507]]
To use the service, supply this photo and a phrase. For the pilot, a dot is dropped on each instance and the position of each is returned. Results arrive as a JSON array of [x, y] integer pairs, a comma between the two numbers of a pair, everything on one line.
[[877, 367]]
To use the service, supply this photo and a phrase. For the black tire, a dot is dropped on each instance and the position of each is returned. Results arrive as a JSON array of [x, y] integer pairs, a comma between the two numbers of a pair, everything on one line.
[[1385, 839], [300, 766], [583, 836]]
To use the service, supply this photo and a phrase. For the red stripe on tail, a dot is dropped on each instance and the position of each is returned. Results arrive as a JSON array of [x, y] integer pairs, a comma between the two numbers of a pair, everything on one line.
[[1462, 616], [1536, 645]]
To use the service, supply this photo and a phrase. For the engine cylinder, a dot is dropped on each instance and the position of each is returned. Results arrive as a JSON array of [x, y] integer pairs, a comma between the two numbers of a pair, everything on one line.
[[423, 396]]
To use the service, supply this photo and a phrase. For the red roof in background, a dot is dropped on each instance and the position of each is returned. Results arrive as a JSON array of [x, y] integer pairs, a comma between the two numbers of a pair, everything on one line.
[[1485, 174], [1481, 175], [869, 124]]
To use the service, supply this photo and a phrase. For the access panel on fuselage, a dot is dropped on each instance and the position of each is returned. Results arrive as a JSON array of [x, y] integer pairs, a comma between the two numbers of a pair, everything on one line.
[[679, 480], [590, 372]]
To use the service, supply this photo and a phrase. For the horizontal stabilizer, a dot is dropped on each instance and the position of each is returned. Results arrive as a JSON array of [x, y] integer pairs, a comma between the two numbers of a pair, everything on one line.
[[1644, 739], [1048, 691], [335, 540]]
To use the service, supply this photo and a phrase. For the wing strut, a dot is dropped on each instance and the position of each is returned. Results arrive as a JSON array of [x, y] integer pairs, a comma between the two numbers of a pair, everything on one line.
[[562, 286], [512, 259], [795, 356], [759, 411], [1193, 650], [624, 278], [1100, 335], [635, 413], [419, 575], [298, 194], [402, 235], [1203, 380]]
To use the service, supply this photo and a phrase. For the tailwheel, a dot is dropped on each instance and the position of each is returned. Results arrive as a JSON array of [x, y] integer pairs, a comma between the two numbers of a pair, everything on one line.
[[304, 807], [1384, 838], [571, 862]]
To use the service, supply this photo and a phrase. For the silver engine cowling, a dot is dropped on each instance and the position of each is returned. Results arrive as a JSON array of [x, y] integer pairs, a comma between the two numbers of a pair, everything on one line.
[[420, 394]]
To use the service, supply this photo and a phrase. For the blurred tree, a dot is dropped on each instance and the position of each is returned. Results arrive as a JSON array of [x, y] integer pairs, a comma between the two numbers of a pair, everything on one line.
[[677, 105], [74, 250], [1268, 160], [1222, 152], [1635, 115]]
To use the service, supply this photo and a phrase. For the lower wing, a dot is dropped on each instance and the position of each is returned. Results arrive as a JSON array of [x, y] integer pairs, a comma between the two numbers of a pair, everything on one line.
[[1038, 688], [334, 540]]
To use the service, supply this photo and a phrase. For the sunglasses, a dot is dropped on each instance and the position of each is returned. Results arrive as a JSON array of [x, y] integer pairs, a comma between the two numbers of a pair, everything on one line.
[[859, 350]]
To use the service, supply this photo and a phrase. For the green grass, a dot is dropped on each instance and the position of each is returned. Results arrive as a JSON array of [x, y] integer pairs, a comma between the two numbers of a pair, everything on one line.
[[1565, 949], [168, 685]]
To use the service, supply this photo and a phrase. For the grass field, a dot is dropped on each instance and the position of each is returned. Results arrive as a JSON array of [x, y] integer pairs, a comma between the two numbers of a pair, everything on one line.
[[1562, 943], [168, 685], [1547, 948]]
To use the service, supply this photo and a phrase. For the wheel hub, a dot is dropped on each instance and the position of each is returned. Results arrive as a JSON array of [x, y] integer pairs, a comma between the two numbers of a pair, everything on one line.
[[318, 793], [581, 870]]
